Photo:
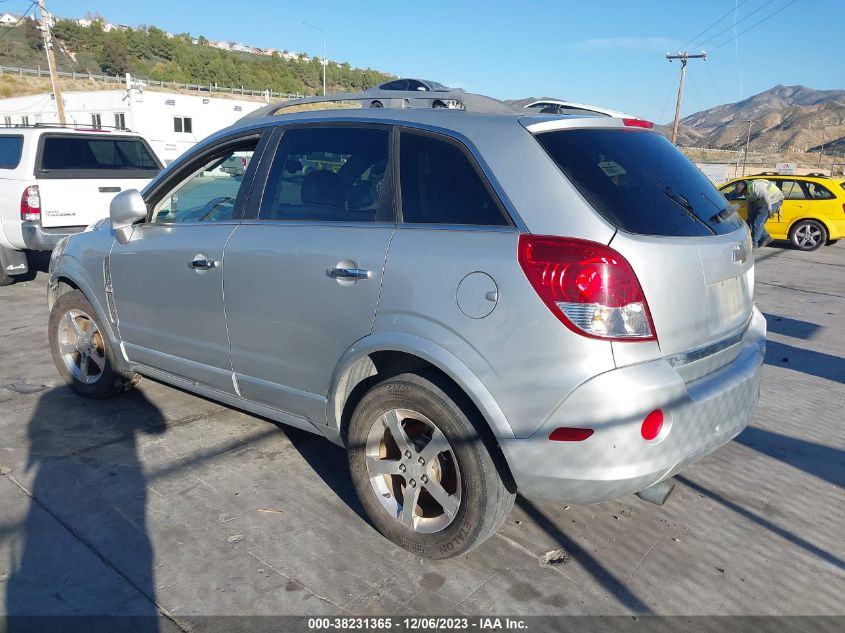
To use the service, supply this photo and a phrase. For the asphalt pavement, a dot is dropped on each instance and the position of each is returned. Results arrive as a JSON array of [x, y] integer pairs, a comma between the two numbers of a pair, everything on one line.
[[160, 502]]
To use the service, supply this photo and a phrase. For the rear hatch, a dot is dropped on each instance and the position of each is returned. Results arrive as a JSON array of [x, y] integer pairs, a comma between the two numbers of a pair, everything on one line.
[[689, 250], [79, 173]]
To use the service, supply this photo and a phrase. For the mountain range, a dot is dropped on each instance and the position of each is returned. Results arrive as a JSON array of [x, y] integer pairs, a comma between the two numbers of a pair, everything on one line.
[[783, 119]]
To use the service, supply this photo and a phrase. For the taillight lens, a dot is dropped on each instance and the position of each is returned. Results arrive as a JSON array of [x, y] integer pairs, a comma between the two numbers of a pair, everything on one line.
[[590, 287], [31, 204], [638, 123]]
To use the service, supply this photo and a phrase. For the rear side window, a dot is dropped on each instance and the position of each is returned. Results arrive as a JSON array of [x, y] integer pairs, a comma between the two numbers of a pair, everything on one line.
[[640, 182], [440, 185], [10, 151], [94, 157]]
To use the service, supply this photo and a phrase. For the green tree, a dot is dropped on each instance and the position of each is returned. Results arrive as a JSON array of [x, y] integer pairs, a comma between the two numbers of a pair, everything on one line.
[[32, 33], [113, 58]]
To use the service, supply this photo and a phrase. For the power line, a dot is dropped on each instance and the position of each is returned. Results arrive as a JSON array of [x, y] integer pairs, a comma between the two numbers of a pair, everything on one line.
[[713, 81], [771, 15], [20, 19], [712, 25], [743, 19]]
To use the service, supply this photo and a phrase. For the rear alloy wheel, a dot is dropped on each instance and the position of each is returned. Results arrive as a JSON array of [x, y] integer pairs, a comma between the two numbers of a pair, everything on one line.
[[81, 352], [808, 235], [376, 104], [422, 471]]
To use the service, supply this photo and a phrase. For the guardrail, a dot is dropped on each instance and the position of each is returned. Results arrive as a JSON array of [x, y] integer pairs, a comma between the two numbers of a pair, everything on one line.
[[117, 79]]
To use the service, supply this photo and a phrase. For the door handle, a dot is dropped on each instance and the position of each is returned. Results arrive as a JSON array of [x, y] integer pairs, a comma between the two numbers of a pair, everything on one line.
[[348, 273], [203, 263]]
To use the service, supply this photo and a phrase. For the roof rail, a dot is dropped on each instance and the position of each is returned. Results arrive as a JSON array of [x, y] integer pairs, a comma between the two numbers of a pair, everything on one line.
[[817, 174], [82, 127], [406, 99]]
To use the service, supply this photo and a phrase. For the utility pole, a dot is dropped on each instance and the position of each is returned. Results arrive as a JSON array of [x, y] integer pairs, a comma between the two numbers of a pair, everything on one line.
[[683, 57], [824, 140], [51, 60], [747, 142]]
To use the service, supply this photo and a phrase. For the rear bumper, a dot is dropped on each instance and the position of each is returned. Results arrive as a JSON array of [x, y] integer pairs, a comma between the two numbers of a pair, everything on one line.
[[37, 238], [836, 229], [700, 416]]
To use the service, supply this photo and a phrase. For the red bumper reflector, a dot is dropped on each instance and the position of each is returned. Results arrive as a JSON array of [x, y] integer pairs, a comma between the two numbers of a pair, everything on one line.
[[570, 434], [652, 425]]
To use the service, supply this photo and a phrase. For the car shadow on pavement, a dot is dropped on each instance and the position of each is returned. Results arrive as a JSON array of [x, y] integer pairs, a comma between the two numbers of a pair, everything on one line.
[[83, 549], [805, 361], [824, 462], [329, 462], [791, 327], [765, 523], [605, 578]]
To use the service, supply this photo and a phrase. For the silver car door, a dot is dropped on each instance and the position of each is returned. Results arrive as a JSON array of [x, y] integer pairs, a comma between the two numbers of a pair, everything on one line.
[[303, 281], [168, 279]]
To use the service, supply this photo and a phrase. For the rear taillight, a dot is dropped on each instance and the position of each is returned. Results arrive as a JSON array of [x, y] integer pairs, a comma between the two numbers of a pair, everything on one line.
[[31, 204], [590, 287]]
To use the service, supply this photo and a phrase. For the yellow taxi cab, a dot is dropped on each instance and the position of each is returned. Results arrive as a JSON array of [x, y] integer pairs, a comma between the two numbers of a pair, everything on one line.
[[813, 211]]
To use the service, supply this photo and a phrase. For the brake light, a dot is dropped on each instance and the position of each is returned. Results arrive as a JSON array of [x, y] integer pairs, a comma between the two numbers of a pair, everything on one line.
[[31, 204], [588, 286], [638, 123]]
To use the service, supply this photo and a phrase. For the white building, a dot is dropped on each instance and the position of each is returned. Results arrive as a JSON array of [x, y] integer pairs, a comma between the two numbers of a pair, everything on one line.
[[8, 19], [172, 123]]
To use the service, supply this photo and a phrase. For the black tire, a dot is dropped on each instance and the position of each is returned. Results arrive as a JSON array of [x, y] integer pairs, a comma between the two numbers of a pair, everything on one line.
[[73, 307], [481, 498], [808, 235], [438, 104], [6, 280], [376, 104]]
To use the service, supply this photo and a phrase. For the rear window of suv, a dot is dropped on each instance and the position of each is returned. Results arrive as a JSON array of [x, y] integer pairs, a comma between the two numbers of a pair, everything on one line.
[[82, 156], [640, 182], [10, 151]]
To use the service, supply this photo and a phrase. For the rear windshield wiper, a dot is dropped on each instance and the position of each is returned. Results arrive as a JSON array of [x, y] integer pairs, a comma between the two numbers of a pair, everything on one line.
[[682, 202]]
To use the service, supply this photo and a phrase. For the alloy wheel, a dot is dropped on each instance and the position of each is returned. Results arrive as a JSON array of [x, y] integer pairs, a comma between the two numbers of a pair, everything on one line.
[[413, 470], [81, 346]]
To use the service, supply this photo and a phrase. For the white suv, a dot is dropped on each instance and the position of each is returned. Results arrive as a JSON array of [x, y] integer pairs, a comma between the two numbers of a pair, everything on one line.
[[55, 181]]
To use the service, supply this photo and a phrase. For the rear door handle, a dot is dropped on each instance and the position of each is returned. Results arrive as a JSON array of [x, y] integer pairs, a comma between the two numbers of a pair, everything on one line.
[[203, 263], [348, 273]]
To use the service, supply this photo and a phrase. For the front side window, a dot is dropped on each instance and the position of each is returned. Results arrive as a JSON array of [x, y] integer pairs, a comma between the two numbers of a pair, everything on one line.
[[791, 189], [440, 184], [329, 174], [209, 193]]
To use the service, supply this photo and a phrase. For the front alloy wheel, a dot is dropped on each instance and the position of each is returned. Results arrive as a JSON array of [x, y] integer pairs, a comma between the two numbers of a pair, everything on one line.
[[81, 350]]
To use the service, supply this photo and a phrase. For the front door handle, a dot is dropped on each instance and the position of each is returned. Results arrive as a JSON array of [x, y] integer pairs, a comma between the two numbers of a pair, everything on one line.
[[201, 262], [348, 273]]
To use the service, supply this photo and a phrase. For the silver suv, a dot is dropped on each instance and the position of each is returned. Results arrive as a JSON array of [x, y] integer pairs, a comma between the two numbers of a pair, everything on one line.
[[474, 304]]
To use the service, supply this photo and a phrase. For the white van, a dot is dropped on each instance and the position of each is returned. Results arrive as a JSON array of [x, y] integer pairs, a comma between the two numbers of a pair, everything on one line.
[[55, 181]]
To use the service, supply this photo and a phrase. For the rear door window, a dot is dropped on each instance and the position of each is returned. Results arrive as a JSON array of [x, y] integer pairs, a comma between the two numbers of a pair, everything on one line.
[[330, 174], [89, 157], [818, 191], [441, 184], [639, 182], [10, 151]]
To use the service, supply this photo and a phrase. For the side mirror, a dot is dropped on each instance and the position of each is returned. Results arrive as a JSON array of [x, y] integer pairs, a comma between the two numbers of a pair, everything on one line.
[[126, 209]]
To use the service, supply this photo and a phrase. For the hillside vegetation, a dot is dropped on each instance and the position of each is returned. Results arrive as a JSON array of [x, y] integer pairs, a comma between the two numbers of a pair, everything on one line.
[[149, 53]]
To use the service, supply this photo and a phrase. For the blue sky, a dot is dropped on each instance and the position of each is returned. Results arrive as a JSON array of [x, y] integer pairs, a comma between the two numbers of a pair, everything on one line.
[[608, 53]]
